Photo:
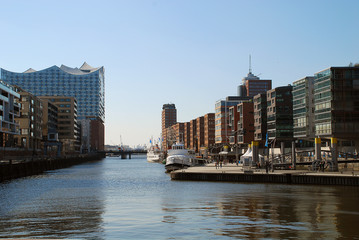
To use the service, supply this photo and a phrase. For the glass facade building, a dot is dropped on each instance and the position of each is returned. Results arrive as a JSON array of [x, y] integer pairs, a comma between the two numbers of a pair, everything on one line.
[[336, 93], [303, 108], [86, 84]]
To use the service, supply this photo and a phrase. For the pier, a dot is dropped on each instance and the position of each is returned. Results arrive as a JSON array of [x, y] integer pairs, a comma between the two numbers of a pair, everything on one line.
[[234, 173]]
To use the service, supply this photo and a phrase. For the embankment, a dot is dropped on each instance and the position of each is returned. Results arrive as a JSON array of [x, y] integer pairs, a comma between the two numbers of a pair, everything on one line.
[[17, 169]]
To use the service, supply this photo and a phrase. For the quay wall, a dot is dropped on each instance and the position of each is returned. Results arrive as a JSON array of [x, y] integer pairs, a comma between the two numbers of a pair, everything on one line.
[[287, 178], [16, 169]]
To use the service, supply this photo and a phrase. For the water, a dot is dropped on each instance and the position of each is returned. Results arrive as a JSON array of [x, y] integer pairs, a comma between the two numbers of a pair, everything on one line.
[[133, 199]]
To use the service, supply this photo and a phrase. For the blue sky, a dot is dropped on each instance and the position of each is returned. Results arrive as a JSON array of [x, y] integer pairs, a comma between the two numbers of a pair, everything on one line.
[[190, 53]]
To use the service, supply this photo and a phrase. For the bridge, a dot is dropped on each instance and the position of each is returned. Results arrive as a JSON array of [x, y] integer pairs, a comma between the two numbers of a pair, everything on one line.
[[125, 153]]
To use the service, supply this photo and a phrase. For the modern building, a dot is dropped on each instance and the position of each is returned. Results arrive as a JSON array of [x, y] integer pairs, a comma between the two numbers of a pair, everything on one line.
[[336, 97], [260, 118], [30, 122], [245, 128], [280, 114], [169, 118], [303, 110], [209, 130], [86, 84], [9, 110], [68, 127]]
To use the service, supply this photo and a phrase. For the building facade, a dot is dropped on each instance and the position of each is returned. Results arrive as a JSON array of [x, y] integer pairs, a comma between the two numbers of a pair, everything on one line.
[[187, 135], [86, 84], [200, 132], [68, 127], [280, 114], [169, 118], [253, 85], [193, 135], [30, 122], [223, 130], [260, 118], [9, 111], [245, 128], [303, 109], [209, 130], [336, 96]]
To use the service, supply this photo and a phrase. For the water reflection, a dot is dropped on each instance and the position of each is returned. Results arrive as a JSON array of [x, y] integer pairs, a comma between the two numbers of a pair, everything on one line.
[[275, 211]]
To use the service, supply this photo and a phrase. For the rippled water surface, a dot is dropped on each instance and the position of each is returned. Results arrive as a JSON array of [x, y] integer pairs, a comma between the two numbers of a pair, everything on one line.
[[133, 199]]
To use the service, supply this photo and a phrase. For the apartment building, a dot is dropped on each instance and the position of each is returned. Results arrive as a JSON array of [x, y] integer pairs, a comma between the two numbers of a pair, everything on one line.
[[30, 121]]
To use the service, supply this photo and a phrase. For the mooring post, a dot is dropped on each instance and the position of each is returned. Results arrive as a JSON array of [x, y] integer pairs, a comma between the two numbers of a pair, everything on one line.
[[294, 160], [282, 150], [334, 144], [318, 150]]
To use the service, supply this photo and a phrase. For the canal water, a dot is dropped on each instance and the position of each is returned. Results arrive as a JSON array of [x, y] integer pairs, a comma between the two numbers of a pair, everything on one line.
[[134, 199]]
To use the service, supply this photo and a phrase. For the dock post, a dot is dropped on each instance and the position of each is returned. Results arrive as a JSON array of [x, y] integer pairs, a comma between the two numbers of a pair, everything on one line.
[[255, 152], [318, 150], [294, 160], [334, 144], [282, 151]]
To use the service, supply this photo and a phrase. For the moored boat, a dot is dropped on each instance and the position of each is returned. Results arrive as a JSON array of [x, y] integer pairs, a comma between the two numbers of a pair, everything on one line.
[[178, 157], [154, 154]]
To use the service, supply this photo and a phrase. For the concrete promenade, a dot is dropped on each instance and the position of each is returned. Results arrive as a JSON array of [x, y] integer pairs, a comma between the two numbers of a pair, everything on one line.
[[234, 173]]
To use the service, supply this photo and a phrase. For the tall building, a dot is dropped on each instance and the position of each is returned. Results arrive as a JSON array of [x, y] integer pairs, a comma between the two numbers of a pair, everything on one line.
[[253, 85], [280, 114], [9, 110], [303, 109], [86, 84], [169, 118], [336, 94], [30, 121]]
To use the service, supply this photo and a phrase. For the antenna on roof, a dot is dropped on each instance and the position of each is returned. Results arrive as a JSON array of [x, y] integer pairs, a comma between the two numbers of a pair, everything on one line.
[[250, 63]]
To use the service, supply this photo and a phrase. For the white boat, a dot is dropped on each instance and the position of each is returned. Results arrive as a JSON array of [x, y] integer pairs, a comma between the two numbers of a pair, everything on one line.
[[154, 154], [179, 157]]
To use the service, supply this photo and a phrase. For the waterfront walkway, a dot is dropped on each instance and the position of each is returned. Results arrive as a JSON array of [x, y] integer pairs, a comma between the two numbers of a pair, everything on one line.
[[234, 173]]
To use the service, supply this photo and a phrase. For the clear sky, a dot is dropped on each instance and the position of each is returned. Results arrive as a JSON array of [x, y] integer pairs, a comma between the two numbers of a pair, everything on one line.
[[187, 52]]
